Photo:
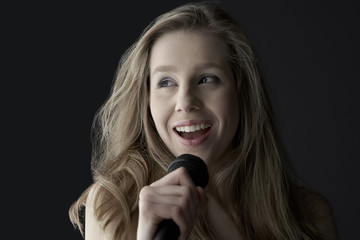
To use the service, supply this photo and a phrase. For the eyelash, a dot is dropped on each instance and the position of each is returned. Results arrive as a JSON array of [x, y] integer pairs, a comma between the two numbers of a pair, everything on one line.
[[215, 78], [166, 82]]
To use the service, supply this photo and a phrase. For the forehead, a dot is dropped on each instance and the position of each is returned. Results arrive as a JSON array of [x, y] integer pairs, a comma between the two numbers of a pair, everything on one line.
[[188, 47]]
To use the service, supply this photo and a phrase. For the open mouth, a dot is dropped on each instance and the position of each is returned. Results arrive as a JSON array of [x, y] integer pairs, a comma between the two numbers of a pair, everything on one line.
[[193, 131]]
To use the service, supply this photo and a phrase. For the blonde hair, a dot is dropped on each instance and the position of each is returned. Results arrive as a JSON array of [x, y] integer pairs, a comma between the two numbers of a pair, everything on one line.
[[129, 154]]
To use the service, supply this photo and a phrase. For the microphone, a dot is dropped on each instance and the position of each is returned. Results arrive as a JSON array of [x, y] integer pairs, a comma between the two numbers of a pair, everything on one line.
[[198, 172]]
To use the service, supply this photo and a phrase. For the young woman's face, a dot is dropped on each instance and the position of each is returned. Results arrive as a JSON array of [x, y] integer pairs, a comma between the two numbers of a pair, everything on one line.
[[193, 97]]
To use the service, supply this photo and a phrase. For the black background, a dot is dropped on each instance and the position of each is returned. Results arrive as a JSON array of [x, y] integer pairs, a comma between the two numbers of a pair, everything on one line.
[[59, 60]]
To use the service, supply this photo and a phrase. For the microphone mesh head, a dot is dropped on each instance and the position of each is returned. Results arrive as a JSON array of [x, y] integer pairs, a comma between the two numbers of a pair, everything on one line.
[[196, 167]]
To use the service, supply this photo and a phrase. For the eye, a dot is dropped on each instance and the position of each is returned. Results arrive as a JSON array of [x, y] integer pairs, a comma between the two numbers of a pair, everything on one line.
[[208, 79], [166, 82]]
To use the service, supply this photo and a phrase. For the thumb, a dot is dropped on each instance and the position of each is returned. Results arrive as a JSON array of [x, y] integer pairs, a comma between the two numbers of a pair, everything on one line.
[[202, 197]]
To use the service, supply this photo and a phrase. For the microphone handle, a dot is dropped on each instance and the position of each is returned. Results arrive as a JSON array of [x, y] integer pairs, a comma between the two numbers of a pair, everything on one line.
[[167, 230], [197, 169]]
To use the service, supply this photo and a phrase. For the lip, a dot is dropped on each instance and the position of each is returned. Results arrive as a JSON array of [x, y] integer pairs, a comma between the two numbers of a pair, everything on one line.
[[192, 142]]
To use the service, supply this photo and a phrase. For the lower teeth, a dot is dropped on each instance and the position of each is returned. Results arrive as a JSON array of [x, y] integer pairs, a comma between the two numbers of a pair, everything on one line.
[[193, 135]]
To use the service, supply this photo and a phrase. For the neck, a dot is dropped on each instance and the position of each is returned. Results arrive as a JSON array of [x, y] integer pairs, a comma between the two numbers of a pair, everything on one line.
[[220, 219]]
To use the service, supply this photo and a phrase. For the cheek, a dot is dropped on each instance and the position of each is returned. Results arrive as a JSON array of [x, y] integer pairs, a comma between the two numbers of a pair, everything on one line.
[[229, 106], [230, 113], [158, 112], [232, 109], [154, 110]]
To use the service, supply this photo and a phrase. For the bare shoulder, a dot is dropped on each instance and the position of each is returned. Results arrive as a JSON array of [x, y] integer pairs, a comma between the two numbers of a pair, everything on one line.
[[320, 210], [94, 227]]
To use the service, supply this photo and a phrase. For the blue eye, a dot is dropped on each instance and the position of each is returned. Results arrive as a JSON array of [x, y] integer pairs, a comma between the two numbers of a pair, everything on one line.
[[166, 82], [208, 79]]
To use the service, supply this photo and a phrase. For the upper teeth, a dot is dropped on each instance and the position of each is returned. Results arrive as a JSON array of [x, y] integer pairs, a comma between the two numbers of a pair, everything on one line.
[[192, 128]]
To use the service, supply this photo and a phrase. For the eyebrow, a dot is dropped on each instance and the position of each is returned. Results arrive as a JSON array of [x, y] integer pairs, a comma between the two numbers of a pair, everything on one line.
[[170, 68], [164, 69]]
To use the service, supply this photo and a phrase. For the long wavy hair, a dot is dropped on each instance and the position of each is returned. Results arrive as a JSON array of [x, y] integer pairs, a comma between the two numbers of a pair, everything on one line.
[[257, 180]]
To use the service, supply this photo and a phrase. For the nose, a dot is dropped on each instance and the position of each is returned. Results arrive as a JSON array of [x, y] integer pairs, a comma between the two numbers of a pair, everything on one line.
[[188, 100]]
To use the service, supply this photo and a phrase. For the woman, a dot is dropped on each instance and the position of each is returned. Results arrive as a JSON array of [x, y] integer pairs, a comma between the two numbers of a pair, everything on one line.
[[191, 84]]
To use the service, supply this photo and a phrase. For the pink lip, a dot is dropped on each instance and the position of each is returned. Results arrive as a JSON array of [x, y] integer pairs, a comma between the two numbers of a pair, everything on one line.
[[192, 142]]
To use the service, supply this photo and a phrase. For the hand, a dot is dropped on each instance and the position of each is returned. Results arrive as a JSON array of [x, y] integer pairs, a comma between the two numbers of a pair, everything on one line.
[[172, 197]]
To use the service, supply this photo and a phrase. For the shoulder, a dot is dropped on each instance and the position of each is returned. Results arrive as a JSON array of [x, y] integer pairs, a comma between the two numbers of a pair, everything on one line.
[[319, 209], [315, 202], [95, 228], [92, 226]]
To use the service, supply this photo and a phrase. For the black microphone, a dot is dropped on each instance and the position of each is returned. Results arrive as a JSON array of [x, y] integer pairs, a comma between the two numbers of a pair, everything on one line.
[[198, 172]]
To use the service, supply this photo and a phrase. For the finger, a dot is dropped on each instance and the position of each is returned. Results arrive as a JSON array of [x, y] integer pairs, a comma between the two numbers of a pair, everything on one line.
[[172, 197], [171, 194], [182, 207], [178, 196], [152, 214], [179, 176], [202, 197]]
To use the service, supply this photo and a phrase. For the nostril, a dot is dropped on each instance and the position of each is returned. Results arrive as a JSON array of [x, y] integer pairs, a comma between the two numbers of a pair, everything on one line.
[[187, 100], [187, 107]]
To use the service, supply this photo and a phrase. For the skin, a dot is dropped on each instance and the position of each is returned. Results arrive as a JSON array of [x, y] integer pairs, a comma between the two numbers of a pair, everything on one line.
[[191, 85], [191, 82], [183, 91]]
